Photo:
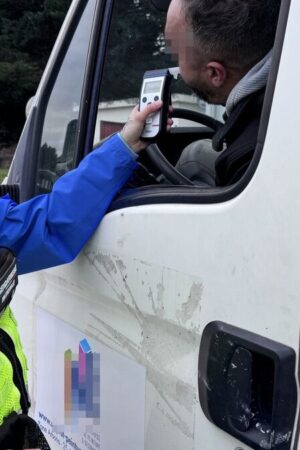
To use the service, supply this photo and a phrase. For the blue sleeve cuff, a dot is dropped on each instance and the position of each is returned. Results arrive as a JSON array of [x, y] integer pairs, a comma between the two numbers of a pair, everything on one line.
[[132, 152]]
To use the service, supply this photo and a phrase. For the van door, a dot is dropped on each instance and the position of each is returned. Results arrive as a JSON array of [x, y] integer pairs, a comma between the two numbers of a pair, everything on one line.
[[188, 296]]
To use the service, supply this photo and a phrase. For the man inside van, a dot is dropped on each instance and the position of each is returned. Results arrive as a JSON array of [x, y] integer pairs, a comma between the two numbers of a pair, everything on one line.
[[224, 50]]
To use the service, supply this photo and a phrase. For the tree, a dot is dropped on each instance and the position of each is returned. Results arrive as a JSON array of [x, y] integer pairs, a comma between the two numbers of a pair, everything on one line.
[[28, 29], [136, 40]]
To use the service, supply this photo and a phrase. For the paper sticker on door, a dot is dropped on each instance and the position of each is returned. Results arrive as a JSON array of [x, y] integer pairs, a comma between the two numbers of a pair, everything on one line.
[[88, 397]]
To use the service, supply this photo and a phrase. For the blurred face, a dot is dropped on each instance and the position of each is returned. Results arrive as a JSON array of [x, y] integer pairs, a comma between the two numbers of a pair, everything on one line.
[[180, 41]]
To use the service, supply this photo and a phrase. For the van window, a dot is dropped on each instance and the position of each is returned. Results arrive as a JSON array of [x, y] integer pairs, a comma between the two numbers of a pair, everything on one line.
[[57, 153], [136, 44]]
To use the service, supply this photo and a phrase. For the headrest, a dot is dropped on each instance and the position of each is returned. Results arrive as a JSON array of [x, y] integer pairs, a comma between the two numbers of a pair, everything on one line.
[[161, 5]]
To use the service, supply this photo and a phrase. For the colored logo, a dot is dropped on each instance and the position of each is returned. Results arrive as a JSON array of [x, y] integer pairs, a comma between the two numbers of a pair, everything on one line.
[[82, 386]]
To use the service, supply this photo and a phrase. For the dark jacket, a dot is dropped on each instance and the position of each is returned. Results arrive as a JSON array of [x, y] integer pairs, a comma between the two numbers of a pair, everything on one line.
[[239, 137]]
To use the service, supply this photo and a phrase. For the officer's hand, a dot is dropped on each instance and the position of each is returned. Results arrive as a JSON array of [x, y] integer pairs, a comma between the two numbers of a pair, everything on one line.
[[132, 130]]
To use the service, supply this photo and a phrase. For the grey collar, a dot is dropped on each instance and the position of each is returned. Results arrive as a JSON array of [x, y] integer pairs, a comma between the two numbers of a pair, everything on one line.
[[253, 81]]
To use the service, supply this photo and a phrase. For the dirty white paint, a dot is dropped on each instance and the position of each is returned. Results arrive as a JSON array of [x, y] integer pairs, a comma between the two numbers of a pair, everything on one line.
[[146, 312]]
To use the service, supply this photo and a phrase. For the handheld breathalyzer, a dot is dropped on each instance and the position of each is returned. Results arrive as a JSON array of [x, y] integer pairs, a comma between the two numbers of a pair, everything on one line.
[[156, 86]]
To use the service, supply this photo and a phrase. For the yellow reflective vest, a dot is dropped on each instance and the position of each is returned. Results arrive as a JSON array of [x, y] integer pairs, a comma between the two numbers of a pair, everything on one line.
[[13, 368]]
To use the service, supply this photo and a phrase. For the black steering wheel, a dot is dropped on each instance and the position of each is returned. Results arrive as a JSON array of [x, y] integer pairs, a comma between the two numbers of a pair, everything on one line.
[[161, 162]]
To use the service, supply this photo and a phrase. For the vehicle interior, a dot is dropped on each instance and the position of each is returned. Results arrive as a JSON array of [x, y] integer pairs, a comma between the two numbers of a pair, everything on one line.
[[183, 156], [180, 165]]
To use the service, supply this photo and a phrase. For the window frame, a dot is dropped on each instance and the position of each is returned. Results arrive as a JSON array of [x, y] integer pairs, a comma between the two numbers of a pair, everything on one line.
[[94, 71], [51, 73], [38, 112]]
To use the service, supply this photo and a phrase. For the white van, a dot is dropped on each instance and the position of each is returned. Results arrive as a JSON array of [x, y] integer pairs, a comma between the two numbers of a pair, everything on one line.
[[178, 325]]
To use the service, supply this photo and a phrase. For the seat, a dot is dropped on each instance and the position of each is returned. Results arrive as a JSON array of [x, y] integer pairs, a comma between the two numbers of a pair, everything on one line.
[[197, 162]]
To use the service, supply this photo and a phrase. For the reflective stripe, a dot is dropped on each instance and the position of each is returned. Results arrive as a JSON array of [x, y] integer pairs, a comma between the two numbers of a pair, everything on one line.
[[8, 277], [8, 280]]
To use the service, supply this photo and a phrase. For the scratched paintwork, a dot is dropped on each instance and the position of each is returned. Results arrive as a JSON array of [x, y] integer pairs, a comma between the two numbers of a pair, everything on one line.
[[164, 341], [147, 312]]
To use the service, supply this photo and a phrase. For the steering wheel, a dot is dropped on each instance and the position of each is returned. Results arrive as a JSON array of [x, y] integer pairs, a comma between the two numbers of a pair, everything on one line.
[[161, 162]]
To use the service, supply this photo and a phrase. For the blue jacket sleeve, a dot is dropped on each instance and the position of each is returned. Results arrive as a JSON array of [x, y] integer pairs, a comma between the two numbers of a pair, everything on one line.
[[51, 229]]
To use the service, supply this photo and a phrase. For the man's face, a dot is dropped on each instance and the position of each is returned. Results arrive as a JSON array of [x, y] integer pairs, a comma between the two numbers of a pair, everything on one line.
[[180, 40]]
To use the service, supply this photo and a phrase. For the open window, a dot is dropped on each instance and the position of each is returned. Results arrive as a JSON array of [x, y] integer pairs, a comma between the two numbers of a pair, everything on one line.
[[136, 44]]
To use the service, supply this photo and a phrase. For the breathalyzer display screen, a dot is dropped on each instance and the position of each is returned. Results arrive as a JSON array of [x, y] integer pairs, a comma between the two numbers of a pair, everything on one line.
[[152, 87]]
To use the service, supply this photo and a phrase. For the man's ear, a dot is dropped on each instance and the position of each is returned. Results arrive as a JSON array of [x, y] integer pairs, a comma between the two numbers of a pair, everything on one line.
[[216, 74]]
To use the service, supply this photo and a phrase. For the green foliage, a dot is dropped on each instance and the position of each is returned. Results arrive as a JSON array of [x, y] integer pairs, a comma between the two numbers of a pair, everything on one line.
[[28, 29], [136, 44], [3, 173]]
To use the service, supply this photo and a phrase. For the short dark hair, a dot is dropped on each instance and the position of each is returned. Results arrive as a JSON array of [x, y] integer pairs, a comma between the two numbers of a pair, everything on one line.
[[235, 32]]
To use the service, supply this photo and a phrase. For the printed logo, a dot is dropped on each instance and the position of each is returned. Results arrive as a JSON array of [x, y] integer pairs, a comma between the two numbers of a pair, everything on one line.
[[82, 386]]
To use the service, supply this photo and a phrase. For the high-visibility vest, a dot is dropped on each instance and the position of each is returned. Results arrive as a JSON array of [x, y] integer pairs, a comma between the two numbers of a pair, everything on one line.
[[13, 364], [13, 368]]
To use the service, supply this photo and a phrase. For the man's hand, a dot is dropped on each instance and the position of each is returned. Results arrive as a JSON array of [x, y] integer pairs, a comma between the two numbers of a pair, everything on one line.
[[133, 129]]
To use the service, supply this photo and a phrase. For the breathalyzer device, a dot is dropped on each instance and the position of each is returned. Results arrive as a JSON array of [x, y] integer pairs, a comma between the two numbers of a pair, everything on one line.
[[156, 86]]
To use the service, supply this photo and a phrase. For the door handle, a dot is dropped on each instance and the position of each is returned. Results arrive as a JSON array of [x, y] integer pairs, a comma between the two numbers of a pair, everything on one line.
[[247, 386], [239, 389]]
